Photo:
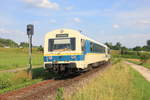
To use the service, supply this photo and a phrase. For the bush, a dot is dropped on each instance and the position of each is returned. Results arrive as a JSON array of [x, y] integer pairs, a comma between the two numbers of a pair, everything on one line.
[[59, 95], [5, 83], [144, 57], [40, 48]]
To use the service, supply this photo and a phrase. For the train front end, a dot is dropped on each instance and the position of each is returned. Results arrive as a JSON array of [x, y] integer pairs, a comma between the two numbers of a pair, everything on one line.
[[60, 51]]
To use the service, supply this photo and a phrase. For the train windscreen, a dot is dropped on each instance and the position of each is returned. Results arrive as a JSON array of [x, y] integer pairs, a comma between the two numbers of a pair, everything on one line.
[[63, 44]]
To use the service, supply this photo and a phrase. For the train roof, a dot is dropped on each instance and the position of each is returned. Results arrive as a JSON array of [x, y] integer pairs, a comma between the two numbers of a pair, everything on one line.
[[76, 32]]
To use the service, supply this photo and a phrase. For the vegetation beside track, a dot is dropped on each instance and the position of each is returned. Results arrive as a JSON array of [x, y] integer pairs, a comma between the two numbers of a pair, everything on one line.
[[119, 82], [138, 62], [11, 81], [11, 58], [140, 58]]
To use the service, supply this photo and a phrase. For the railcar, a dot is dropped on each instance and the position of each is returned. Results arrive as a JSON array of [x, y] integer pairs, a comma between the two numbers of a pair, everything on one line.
[[67, 50]]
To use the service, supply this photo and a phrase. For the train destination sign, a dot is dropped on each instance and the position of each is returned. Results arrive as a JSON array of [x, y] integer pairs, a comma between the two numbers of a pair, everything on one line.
[[61, 35]]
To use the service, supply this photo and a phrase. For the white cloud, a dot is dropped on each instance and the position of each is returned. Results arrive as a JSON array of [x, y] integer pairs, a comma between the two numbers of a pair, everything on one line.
[[116, 26], [137, 19], [8, 32], [143, 22], [12, 34], [69, 8], [77, 20], [129, 40], [43, 4], [52, 21]]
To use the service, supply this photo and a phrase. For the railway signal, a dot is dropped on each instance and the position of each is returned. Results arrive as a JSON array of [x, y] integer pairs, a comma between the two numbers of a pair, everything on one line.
[[30, 32]]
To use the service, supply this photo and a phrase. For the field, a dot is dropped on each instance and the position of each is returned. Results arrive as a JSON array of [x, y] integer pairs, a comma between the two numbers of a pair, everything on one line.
[[11, 58], [134, 57], [120, 82], [11, 81]]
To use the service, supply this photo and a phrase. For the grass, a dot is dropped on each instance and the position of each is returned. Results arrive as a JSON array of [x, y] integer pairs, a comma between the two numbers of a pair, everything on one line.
[[119, 82], [140, 85], [130, 57], [146, 64], [11, 81], [11, 58]]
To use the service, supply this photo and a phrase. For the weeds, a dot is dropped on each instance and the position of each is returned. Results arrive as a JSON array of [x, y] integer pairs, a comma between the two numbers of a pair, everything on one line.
[[59, 95], [11, 81], [113, 84]]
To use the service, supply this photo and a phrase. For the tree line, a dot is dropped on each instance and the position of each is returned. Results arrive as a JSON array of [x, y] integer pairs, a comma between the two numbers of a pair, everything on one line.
[[8, 43], [118, 46]]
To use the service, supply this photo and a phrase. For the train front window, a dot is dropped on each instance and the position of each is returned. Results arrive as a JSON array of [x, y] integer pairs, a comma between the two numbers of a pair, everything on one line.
[[66, 44]]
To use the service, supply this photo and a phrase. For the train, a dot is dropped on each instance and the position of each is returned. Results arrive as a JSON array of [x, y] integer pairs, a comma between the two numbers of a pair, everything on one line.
[[68, 50]]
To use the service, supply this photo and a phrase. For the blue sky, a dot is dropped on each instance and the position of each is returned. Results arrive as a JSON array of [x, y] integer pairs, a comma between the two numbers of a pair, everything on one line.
[[126, 21]]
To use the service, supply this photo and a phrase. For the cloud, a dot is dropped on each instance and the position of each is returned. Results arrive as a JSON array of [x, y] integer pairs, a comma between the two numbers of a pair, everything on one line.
[[43, 4], [52, 21], [69, 8], [12, 34], [116, 26], [132, 19], [143, 22], [77, 20], [129, 40]]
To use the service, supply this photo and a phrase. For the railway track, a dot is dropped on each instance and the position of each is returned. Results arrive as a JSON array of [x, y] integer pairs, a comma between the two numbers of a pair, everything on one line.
[[47, 89]]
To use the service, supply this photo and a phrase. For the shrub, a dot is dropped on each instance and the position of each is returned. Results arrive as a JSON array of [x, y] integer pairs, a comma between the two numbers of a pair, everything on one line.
[[59, 95], [40, 48], [5, 83], [144, 57]]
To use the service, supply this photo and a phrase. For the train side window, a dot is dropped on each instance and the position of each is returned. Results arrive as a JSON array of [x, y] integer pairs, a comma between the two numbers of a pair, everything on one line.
[[73, 43], [83, 45], [50, 44], [91, 47]]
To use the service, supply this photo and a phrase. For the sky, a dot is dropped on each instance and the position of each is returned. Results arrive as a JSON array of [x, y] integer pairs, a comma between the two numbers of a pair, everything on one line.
[[125, 21]]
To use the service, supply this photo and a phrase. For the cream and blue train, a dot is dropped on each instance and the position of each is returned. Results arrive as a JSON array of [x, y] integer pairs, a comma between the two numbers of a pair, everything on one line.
[[67, 50]]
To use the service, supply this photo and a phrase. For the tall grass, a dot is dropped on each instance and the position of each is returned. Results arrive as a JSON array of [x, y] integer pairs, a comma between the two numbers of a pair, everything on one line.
[[11, 81], [116, 83], [146, 64], [18, 57]]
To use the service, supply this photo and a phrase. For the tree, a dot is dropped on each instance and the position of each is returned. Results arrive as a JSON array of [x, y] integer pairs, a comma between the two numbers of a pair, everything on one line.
[[137, 48], [24, 44], [109, 44], [148, 42], [40, 48], [146, 48], [7, 42], [117, 46], [144, 57], [124, 50]]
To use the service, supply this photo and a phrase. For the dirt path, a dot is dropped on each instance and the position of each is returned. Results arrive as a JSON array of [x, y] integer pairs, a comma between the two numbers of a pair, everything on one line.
[[18, 69], [142, 70]]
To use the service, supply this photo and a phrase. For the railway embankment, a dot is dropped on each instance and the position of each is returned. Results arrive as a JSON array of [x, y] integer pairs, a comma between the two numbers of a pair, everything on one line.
[[48, 88], [119, 82]]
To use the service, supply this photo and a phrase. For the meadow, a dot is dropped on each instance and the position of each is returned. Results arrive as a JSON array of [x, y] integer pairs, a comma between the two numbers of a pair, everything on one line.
[[11, 58], [14, 80], [119, 82], [140, 58]]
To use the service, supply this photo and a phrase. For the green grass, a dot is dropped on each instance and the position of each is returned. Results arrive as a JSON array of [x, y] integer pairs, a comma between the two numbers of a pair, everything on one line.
[[12, 81], [140, 85], [119, 82], [146, 65], [11, 58]]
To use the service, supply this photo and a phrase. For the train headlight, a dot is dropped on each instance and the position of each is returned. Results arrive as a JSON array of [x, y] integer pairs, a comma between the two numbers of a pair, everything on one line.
[[73, 57], [50, 57]]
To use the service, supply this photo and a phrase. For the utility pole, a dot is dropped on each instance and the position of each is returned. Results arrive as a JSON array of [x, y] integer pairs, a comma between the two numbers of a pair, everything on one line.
[[30, 32]]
